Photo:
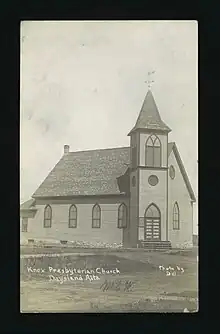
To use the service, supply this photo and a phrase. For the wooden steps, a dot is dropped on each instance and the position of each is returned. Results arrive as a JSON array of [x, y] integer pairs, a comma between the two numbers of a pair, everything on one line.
[[156, 245]]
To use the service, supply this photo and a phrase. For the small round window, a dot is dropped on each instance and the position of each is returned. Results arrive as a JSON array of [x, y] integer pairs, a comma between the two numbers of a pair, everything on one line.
[[153, 180], [133, 181], [172, 172]]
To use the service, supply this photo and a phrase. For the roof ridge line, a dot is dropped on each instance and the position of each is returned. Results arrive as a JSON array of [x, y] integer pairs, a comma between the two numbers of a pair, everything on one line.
[[100, 149]]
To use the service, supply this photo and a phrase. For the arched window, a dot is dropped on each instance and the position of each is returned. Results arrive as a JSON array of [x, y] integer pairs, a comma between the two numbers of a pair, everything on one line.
[[172, 172], [73, 216], [96, 216], [47, 216], [134, 156], [153, 152], [133, 181], [122, 216], [176, 217], [152, 211], [24, 224]]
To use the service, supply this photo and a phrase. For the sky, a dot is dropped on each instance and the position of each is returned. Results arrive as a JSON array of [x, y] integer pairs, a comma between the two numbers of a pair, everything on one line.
[[83, 84]]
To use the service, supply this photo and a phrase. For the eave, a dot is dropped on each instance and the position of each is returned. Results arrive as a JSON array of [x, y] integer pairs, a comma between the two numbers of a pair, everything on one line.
[[184, 174], [122, 194], [149, 130]]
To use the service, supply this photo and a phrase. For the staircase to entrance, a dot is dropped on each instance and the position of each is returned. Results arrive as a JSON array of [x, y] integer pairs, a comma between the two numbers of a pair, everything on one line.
[[155, 245]]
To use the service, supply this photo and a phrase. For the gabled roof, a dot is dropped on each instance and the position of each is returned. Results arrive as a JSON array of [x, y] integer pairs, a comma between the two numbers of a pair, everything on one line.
[[86, 173], [149, 117], [28, 205], [173, 147], [95, 172]]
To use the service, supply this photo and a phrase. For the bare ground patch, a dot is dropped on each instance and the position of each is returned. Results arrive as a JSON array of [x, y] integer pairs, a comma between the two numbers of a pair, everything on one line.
[[40, 295]]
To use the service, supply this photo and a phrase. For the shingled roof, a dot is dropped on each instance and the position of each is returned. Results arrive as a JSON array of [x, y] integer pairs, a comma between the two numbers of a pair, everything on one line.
[[95, 172], [149, 117], [86, 173]]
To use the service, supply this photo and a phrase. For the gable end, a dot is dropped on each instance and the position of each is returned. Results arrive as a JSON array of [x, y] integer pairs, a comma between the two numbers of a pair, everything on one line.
[[173, 147]]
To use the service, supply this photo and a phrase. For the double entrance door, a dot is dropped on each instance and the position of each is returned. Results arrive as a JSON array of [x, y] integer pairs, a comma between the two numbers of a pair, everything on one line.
[[152, 224]]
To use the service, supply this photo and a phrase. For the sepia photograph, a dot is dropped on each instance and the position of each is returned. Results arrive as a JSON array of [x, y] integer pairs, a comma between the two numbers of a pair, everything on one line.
[[109, 166]]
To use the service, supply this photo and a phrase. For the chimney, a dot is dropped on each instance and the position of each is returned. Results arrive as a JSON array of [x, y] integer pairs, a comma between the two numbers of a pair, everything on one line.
[[66, 149]]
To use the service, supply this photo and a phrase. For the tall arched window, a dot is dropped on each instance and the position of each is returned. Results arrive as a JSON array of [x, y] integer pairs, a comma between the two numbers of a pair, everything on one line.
[[73, 216], [47, 216], [24, 224], [96, 216], [134, 157], [176, 217], [153, 152], [122, 216]]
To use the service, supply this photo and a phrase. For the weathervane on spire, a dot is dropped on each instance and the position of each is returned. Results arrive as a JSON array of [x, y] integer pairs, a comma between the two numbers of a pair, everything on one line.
[[149, 80]]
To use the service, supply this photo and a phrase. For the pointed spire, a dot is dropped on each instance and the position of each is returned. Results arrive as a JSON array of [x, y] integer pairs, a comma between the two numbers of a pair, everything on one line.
[[149, 117]]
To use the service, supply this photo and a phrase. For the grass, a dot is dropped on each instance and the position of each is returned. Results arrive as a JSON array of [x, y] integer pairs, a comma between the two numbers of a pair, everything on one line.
[[59, 249], [147, 305], [40, 295]]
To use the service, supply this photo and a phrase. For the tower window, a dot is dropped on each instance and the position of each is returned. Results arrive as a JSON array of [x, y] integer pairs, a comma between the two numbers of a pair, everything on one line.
[[172, 172], [134, 156], [153, 152], [133, 181], [153, 180]]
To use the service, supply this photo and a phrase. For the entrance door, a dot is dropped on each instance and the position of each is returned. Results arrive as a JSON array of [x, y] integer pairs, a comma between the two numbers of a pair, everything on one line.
[[152, 226]]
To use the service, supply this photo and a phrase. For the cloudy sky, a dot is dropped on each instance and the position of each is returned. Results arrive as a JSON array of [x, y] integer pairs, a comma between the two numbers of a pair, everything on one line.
[[83, 84]]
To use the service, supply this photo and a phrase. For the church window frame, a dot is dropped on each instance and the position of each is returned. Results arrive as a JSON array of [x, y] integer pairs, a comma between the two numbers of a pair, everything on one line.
[[176, 216], [122, 215], [153, 180], [96, 216], [133, 181], [172, 172], [72, 216], [47, 216], [152, 145], [134, 156], [24, 226]]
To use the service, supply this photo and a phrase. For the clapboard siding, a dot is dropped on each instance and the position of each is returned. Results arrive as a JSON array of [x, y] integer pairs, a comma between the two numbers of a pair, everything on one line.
[[108, 233], [179, 193]]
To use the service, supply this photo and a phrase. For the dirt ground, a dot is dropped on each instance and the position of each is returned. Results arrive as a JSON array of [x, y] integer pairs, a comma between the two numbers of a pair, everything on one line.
[[141, 286]]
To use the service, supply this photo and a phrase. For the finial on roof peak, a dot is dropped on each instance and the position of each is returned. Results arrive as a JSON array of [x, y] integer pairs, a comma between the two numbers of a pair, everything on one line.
[[149, 80], [149, 117]]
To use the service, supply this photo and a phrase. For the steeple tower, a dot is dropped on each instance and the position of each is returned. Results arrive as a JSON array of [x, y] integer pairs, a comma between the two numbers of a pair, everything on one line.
[[149, 124], [149, 117], [149, 172]]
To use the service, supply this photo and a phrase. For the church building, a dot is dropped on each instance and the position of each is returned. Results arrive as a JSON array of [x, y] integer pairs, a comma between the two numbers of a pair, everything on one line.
[[135, 196]]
